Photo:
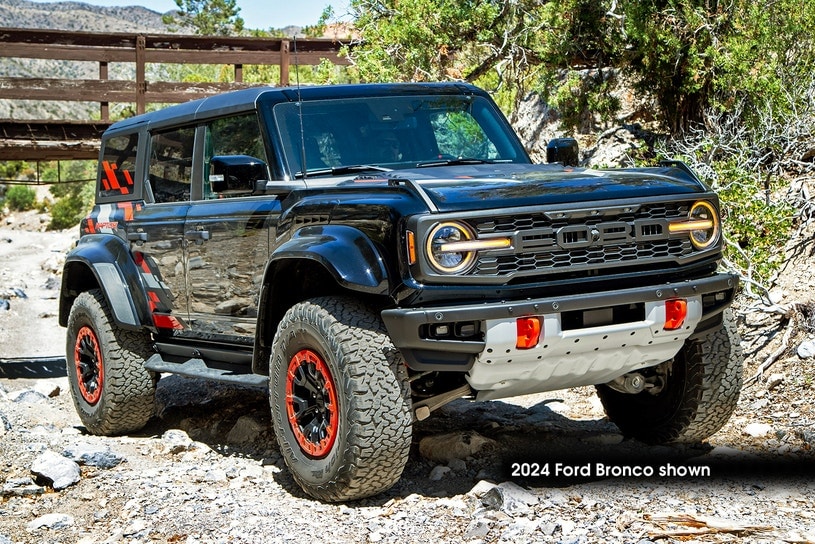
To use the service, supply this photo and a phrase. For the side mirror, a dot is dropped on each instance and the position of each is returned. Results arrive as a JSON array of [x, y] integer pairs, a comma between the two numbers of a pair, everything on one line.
[[236, 173], [563, 150]]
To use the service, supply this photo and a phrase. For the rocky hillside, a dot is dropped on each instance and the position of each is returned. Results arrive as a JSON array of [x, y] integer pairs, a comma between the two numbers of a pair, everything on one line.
[[79, 16]]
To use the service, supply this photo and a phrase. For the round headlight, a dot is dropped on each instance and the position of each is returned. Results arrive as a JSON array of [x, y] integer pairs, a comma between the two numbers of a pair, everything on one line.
[[704, 215], [445, 249]]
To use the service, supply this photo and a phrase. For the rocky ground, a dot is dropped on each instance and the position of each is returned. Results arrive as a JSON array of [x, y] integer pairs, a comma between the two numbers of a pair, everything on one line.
[[206, 468]]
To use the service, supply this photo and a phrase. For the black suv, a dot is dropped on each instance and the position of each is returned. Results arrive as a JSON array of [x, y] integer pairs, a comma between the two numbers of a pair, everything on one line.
[[372, 252]]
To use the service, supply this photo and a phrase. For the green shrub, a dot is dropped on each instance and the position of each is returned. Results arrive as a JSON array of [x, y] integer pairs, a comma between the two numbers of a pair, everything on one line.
[[756, 223], [21, 198], [73, 202]]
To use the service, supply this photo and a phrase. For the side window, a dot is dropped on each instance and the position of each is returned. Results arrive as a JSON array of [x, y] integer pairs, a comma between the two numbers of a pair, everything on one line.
[[171, 164], [235, 138], [118, 168]]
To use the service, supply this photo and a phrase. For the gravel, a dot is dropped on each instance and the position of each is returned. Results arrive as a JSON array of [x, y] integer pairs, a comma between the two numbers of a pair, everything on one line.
[[540, 468]]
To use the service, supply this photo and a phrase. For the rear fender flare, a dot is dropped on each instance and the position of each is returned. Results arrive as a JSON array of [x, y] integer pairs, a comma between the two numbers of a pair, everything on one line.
[[108, 259]]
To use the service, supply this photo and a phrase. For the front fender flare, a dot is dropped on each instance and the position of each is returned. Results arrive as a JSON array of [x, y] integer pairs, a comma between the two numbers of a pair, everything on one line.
[[108, 259], [347, 253]]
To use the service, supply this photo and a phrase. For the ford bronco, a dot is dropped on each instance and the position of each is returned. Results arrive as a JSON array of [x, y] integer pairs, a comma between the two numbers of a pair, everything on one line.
[[372, 252]]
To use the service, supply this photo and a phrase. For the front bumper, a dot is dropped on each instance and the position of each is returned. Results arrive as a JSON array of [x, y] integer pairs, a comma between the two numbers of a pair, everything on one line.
[[407, 326]]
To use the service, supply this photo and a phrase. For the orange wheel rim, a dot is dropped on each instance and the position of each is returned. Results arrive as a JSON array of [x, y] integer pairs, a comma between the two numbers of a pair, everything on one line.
[[90, 370], [311, 403]]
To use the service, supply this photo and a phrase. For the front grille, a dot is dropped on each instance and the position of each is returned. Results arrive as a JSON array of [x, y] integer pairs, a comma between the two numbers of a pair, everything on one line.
[[591, 241]]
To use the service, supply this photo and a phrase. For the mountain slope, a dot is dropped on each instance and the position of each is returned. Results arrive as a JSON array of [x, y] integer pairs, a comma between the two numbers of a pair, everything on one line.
[[79, 16]]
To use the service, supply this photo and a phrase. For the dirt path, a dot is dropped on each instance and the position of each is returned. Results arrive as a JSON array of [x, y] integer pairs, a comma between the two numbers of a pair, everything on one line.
[[30, 272]]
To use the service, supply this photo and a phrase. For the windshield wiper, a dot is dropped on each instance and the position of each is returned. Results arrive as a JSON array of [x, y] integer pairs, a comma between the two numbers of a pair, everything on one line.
[[457, 161], [341, 170]]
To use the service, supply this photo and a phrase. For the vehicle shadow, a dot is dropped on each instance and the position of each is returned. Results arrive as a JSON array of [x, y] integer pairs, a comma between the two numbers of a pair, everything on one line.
[[522, 444], [519, 444]]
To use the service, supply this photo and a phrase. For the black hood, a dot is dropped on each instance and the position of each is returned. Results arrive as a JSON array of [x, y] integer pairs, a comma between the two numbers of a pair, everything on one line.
[[486, 186]]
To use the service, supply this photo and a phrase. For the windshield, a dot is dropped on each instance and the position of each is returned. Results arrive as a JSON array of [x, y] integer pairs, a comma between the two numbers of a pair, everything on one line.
[[392, 132]]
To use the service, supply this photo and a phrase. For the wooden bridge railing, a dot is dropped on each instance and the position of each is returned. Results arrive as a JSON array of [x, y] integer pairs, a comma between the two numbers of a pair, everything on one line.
[[139, 49]]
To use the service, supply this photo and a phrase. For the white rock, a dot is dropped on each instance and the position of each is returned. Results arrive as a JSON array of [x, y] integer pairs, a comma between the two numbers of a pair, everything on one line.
[[94, 456], [136, 526], [59, 470], [47, 388], [480, 488], [252, 471], [478, 528], [28, 396], [523, 526], [438, 472], [510, 498], [806, 350], [776, 296], [50, 521], [567, 526], [176, 441], [758, 429], [775, 380]]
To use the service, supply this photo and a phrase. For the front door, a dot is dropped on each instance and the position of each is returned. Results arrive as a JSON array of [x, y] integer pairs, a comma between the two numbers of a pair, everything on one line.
[[227, 237]]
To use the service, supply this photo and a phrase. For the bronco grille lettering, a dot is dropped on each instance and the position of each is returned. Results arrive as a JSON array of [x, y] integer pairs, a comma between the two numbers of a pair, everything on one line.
[[580, 240]]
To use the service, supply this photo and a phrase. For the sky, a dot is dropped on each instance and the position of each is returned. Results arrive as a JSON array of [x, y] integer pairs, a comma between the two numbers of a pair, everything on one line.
[[260, 14]]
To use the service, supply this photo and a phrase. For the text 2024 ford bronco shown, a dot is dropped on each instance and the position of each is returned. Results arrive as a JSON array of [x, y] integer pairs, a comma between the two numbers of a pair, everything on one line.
[[372, 252]]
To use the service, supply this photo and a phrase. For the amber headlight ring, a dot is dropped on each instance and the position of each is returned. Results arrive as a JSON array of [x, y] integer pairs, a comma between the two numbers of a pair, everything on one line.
[[447, 248], [702, 226]]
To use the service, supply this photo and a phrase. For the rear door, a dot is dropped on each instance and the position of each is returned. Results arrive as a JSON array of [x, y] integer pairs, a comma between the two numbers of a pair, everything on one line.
[[156, 229]]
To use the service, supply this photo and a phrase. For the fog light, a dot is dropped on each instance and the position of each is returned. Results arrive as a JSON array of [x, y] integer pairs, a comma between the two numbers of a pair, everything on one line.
[[529, 332], [441, 330], [676, 310]]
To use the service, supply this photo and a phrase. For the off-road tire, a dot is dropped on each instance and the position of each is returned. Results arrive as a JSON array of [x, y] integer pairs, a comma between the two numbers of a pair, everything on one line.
[[701, 392], [112, 391], [365, 448]]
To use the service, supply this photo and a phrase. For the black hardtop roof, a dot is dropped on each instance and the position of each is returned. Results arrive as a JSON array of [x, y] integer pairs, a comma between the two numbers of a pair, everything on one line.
[[246, 99]]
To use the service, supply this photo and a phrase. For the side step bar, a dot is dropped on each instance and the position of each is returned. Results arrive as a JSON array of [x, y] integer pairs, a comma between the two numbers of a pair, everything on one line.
[[210, 370]]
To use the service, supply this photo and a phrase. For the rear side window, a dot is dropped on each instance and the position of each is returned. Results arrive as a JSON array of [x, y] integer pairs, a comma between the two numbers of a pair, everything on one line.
[[170, 168], [118, 168]]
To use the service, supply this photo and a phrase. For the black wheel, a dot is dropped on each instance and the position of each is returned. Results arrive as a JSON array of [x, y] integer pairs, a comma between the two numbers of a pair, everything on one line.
[[696, 395], [340, 400], [112, 391]]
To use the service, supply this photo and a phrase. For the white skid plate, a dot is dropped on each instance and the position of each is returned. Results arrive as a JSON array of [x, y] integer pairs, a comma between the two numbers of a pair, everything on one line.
[[572, 358]]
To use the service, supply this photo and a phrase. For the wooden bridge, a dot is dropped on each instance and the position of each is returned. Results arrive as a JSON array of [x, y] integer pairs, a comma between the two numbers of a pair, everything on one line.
[[79, 139]]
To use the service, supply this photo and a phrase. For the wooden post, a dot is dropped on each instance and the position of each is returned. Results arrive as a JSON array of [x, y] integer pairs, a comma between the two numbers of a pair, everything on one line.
[[141, 83], [284, 63], [239, 73], [104, 107]]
